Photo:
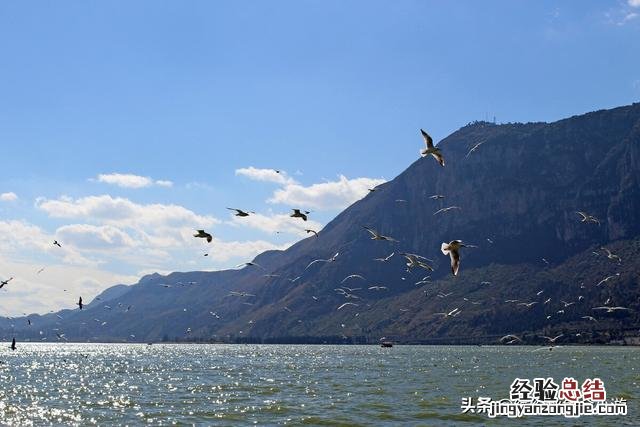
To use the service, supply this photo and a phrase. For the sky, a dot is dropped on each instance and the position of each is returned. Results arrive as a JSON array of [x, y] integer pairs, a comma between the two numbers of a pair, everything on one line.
[[125, 126]]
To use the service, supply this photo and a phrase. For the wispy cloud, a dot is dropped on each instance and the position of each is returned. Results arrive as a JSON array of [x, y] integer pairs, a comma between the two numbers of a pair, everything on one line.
[[127, 180], [267, 175], [8, 197], [633, 3], [331, 195]]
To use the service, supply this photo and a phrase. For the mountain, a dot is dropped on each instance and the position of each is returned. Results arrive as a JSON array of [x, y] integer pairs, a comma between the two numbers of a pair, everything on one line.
[[518, 195]]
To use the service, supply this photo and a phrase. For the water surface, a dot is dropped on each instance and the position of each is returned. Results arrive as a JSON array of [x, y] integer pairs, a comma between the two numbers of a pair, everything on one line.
[[83, 384]]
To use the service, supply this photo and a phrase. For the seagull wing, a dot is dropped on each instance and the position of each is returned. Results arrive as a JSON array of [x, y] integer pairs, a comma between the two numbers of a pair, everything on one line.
[[439, 157], [427, 139], [454, 254]]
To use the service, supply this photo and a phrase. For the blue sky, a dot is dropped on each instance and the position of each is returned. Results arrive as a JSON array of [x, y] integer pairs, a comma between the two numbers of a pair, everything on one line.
[[330, 92]]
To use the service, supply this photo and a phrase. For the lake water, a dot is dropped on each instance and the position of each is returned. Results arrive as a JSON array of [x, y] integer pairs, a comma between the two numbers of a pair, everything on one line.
[[83, 384]]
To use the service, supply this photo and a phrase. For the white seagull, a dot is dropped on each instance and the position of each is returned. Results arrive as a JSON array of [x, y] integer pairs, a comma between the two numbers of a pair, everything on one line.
[[431, 149], [377, 236], [453, 250]]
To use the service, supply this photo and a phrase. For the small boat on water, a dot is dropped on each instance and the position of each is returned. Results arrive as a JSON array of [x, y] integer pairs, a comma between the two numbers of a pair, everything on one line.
[[386, 344]]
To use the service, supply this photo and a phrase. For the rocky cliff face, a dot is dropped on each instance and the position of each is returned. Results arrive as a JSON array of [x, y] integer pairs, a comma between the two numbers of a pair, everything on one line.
[[518, 194]]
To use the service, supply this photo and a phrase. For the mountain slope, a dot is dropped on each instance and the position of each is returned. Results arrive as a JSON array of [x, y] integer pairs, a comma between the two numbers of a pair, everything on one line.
[[518, 195]]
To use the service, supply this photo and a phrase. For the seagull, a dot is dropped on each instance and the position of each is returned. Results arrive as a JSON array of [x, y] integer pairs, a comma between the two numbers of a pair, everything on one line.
[[40, 271], [453, 250], [297, 214], [250, 264], [611, 309], [474, 148], [311, 231], [385, 259], [79, 303], [591, 318], [452, 313], [552, 340], [5, 282], [567, 304], [240, 212], [55, 242], [485, 283], [528, 304], [436, 197], [346, 304], [606, 279], [377, 288], [203, 235], [511, 338], [443, 295], [539, 292], [377, 236], [446, 209], [240, 294], [431, 149], [414, 261], [332, 259], [547, 301], [588, 218], [353, 276], [611, 255]]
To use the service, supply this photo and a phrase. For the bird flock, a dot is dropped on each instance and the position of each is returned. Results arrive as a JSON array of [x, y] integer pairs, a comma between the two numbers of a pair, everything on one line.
[[414, 262]]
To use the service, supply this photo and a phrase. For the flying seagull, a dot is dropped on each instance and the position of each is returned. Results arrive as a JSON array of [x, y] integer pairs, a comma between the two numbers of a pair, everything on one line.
[[552, 340], [588, 218], [510, 339], [297, 214], [611, 309], [446, 209], [353, 276], [346, 304], [385, 259], [312, 231], [79, 303], [431, 149], [377, 288], [452, 313], [611, 255], [332, 259], [414, 261], [606, 279], [240, 294], [250, 264], [240, 212], [55, 242], [474, 148], [453, 250], [5, 282], [203, 235], [377, 236], [436, 197]]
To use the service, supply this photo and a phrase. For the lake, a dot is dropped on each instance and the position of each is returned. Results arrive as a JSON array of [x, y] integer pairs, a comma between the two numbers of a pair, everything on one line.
[[162, 384]]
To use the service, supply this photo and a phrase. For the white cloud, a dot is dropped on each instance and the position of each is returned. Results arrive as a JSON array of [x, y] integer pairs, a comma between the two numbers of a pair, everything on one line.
[[325, 196], [629, 16], [268, 175], [22, 241], [633, 3], [120, 211], [126, 180], [8, 197], [94, 237]]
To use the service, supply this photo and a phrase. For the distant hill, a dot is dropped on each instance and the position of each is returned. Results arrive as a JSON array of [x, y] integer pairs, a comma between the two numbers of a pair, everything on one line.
[[518, 195]]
